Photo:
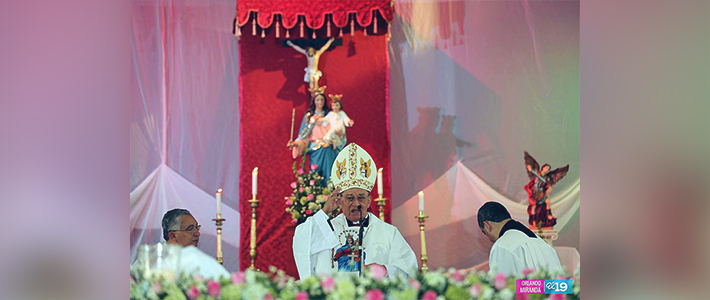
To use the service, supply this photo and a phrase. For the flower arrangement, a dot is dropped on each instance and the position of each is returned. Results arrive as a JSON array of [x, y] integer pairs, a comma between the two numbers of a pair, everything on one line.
[[308, 196], [374, 285]]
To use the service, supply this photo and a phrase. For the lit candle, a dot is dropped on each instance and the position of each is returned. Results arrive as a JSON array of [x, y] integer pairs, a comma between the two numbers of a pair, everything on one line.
[[421, 201], [219, 201], [379, 182], [253, 180]]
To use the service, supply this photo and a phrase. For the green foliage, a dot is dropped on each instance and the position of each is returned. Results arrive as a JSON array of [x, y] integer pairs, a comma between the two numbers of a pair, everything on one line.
[[309, 194]]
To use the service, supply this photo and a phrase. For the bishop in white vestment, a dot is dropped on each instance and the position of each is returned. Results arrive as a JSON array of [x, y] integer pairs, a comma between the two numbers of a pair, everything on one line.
[[323, 246]]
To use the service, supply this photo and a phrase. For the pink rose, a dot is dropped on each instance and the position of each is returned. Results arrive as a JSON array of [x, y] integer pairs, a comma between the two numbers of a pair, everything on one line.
[[310, 197], [269, 296], [429, 295], [314, 167], [301, 296], [293, 185], [300, 171], [326, 197], [308, 211], [375, 294], [328, 283], [282, 282], [378, 271], [192, 293], [213, 288], [499, 281], [557, 297], [238, 278], [475, 290], [415, 284], [289, 202], [157, 287], [294, 221], [527, 272], [522, 297], [300, 189], [312, 182], [457, 276]]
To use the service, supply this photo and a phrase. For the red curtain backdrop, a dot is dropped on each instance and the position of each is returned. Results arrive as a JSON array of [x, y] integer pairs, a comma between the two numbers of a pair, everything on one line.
[[271, 84], [314, 11]]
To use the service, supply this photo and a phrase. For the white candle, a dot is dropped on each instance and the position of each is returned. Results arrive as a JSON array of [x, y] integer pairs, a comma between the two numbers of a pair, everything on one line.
[[219, 201], [379, 182], [253, 180], [421, 201]]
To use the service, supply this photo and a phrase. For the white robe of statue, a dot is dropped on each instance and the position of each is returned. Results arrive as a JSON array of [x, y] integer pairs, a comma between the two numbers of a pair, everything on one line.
[[315, 243]]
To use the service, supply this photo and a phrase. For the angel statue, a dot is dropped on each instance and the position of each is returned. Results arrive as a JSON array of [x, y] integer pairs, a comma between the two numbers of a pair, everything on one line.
[[312, 74], [541, 181]]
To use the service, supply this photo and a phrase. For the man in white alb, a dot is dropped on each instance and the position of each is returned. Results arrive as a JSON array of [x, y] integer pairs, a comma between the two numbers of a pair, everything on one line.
[[181, 229], [322, 245], [515, 246]]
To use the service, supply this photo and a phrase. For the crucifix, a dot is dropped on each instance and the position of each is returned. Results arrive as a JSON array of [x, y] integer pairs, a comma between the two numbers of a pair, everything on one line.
[[353, 255], [312, 73]]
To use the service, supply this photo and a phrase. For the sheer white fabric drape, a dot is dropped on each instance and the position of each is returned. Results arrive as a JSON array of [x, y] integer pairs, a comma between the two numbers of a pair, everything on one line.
[[184, 120]]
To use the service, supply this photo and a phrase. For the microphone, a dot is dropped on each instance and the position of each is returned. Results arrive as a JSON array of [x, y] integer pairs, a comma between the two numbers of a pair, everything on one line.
[[360, 233]]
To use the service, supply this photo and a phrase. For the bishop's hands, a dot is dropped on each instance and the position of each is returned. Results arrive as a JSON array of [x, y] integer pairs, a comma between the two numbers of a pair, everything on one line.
[[333, 201], [379, 271]]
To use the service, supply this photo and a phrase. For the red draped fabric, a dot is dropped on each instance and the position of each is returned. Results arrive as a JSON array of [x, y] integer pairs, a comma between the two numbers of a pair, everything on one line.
[[314, 11], [271, 84]]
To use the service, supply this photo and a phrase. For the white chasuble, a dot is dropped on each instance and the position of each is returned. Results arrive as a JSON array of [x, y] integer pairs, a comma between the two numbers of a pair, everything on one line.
[[322, 246]]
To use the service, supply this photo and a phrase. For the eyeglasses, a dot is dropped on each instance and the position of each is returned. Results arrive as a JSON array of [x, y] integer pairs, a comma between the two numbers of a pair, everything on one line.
[[191, 230], [351, 200]]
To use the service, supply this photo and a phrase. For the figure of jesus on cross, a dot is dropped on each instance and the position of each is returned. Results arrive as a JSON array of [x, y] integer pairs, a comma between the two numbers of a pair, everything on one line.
[[312, 73]]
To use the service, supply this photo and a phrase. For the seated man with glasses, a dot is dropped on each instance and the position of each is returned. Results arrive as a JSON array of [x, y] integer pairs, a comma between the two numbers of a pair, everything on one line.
[[181, 229], [322, 245]]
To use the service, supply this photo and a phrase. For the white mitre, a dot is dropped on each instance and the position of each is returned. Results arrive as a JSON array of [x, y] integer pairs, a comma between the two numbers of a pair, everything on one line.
[[353, 168]]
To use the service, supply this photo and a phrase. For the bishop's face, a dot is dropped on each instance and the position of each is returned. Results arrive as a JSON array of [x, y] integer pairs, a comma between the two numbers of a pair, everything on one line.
[[350, 200]]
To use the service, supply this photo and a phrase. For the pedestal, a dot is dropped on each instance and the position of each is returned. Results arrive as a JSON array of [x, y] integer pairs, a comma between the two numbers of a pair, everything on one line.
[[548, 235]]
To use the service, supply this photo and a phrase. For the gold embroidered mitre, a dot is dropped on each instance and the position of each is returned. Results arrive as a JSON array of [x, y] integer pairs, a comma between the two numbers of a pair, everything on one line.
[[353, 168]]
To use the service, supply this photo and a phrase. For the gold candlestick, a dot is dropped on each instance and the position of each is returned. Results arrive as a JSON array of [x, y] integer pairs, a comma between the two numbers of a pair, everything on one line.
[[293, 117], [252, 242], [219, 221], [421, 218], [381, 202]]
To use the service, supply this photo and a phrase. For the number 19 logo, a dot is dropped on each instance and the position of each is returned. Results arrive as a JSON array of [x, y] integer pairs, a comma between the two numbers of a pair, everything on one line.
[[558, 286]]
